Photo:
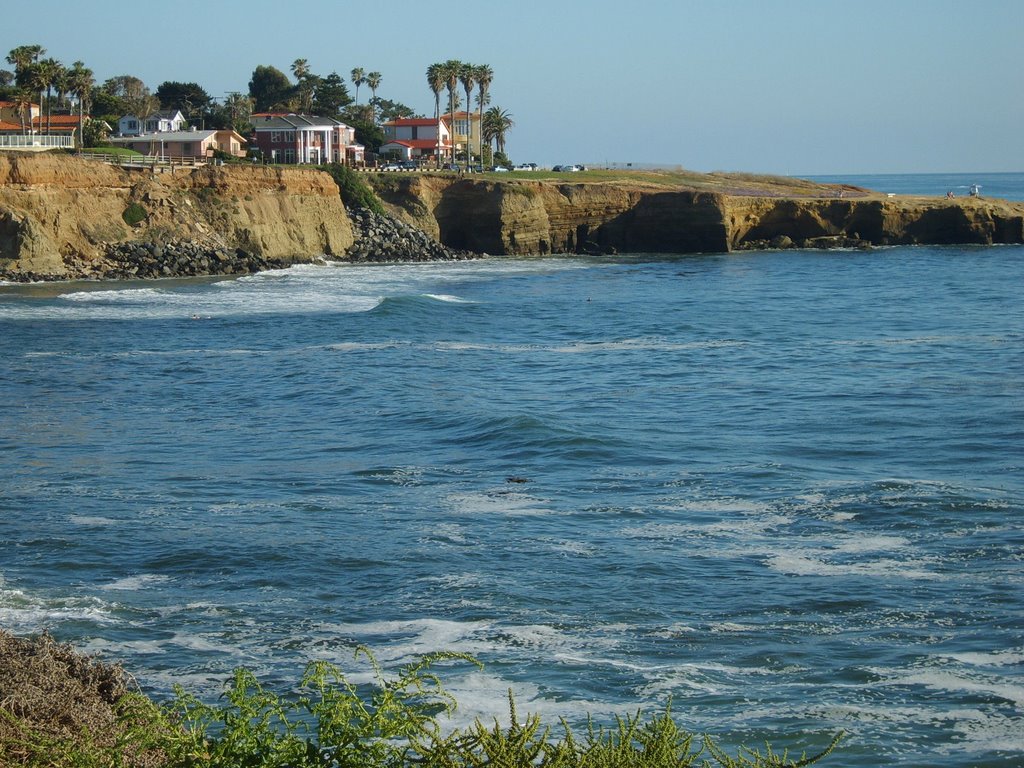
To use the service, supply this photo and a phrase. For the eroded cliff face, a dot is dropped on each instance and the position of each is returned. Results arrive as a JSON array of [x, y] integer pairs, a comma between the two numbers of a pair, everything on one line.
[[523, 217], [58, 214], [877, 221]]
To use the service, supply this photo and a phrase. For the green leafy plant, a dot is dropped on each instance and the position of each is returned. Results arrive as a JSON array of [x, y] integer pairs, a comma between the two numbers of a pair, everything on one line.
[[134, 214], [354, 189]]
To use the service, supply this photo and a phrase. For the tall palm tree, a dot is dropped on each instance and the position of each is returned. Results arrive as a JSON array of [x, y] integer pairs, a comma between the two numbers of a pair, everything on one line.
[[300, 68], [358, 78], [23, 57], [44, 74], [81, 82], [450, 71], [435, 79], [467, 76], [373, 81], [484, 76]]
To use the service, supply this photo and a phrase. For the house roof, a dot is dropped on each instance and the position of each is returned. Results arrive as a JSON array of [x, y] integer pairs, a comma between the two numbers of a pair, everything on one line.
[[291, 122], [404, 122], [14, 105], [5, 126], [416, 143], [166, 136]]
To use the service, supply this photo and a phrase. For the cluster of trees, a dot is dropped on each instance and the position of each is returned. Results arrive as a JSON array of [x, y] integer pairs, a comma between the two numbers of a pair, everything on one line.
[[60, 89], [34, 74], [449, 75]]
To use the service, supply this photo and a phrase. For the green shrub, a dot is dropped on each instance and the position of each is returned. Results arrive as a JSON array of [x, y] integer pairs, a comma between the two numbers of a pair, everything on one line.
[[354, 189], [332, 723], [134, 214]]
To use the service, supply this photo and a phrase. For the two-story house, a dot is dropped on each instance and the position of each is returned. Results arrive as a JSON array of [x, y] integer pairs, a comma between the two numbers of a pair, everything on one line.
[[159, 122], [309, 139], [416, 138]]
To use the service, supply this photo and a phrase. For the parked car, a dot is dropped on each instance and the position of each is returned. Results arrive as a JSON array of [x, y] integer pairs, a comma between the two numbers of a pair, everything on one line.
[[526, 167], [499, 169]]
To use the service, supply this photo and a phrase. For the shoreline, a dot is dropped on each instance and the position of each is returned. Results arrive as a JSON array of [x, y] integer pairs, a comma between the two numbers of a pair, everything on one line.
[[65, 218]]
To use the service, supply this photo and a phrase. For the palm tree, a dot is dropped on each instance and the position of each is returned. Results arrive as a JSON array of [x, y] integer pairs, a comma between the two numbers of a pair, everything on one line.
[[435, 79], [23, 106], [467, 76], [44, 74], [450, 71], [373, 81], [497, 122], [300, 68], [484, 76], [358, 78], [81, 81], [23, 57]]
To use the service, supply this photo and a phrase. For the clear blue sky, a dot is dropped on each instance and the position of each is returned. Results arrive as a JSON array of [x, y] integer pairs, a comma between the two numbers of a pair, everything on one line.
[[792, 86]]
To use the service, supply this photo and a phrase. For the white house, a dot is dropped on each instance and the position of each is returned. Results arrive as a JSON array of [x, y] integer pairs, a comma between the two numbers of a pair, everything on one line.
[[159, 122], [410, 138]]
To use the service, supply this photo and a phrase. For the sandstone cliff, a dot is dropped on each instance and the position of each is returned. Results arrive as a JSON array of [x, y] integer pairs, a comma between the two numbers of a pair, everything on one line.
[[60, 214], [519, 216], [64, 217]]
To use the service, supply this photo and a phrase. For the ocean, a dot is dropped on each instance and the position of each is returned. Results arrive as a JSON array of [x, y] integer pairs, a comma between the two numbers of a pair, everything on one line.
[[784, 490]]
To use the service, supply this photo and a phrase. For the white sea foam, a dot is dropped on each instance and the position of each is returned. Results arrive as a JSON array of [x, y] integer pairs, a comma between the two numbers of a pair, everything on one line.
[[448, 298], [955, 680], [91, 520], [813, 563], [999, 658], [496, 503], [140, 581]]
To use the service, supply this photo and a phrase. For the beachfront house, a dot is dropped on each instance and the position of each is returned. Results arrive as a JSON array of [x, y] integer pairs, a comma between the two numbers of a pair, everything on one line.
[[162, 121], [35, 133], [416, 138], [305, 139], [191, 145]]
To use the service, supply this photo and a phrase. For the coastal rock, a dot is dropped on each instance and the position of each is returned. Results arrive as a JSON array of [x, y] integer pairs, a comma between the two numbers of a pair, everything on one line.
[[385, 238], [522, 217], [60, 215]]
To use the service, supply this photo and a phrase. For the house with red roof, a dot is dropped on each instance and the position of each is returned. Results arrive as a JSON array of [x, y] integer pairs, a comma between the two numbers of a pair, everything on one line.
[[35, 134], [416, 138]]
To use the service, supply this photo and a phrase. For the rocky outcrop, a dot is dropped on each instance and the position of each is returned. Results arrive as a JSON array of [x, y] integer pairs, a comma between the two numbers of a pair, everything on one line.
[[385, 238], [63, 217], [525, 217]]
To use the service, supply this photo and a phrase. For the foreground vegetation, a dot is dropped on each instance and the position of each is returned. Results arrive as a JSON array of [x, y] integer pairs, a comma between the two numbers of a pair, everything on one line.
[[60, 709]]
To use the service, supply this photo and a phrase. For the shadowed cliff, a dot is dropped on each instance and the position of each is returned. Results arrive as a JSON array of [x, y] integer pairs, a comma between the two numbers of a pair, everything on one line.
[[519, 216]]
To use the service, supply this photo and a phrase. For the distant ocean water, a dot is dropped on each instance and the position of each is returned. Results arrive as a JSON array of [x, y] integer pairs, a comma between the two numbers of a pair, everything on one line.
[[785, 489], [1009, 186]]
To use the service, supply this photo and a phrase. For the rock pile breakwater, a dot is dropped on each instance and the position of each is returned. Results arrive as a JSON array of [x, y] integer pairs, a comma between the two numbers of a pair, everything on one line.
[[385, 238], [134, 260]]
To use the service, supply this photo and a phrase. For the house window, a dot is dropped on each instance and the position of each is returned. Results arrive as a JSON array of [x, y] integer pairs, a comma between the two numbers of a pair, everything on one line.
[[289, 136], [132, 125], [275, 137], [186, 148], [289, 156]]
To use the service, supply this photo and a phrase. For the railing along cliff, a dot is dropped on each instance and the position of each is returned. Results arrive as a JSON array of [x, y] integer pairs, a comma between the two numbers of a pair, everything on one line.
[[153, 162]]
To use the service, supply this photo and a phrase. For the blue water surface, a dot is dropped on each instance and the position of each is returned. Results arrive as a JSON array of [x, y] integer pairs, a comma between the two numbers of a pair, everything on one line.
[[783, 489]]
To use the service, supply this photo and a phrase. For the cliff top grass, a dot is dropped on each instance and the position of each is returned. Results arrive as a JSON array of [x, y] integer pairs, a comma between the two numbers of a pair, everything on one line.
[[726, 183]]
